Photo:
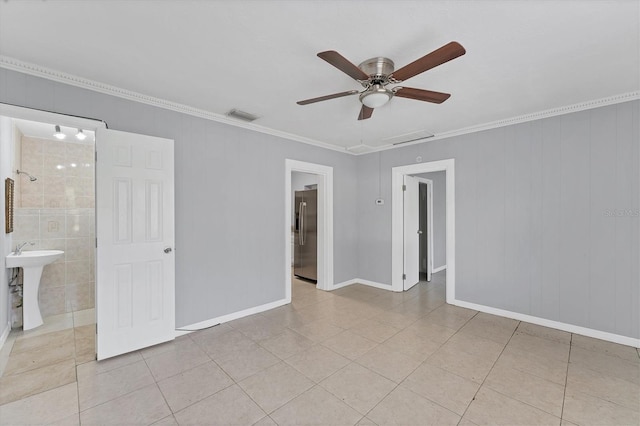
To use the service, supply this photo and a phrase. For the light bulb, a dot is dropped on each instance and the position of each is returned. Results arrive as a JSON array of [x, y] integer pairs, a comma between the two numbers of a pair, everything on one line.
[[58, 134], [375, 97], [80, 135]]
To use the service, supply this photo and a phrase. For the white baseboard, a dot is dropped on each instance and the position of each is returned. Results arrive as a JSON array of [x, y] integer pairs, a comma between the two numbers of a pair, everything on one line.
[[230, 317], [439, 268], [344, 284], [361, 281], [375, 284], [589, 332], [5, 334]]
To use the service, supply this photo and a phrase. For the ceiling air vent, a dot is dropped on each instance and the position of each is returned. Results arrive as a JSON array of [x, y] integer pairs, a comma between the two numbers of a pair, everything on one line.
[[408, 137], [241, 115]]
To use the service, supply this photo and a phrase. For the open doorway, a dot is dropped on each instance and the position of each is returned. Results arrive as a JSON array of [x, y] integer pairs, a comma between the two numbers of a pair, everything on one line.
[[405, 217], [304, 228], [63, 196], [425, 215], [308, 225], [433, 221], [50, 158]]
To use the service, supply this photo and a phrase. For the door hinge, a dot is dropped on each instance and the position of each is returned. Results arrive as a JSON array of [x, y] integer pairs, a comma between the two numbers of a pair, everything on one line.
[[404, 187], [96, 156], [96, 242], [404, 276]]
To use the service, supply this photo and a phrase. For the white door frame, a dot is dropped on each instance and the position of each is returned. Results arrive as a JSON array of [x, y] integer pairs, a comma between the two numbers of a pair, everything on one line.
[[397, 176], [429, 184], [325, 222], [52, 118]]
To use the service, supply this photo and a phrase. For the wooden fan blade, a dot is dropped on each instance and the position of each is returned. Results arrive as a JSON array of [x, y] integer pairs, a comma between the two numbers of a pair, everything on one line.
[[422, 95], [327, 97], [431, 60], [343, 64], [365, 112]]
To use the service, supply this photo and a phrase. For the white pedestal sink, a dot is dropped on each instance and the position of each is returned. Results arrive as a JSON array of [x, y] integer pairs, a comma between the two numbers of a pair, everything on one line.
[[32, 263]]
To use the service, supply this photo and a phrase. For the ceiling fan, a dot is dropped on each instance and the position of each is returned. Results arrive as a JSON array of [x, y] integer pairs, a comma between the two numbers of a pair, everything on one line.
[[376, 74]]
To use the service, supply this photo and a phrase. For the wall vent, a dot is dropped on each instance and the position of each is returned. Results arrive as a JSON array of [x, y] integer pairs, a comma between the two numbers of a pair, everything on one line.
[[242, 115]]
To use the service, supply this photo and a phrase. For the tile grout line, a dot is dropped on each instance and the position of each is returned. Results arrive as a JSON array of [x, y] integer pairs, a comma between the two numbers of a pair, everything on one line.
[[233, 382], [236, 383], [566, 379], [419, 365], [75, 370], [368, 369], [155, 381], [490, 370]]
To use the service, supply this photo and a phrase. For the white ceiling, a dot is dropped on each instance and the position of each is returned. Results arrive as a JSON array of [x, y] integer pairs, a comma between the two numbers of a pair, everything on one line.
[[522, 57]]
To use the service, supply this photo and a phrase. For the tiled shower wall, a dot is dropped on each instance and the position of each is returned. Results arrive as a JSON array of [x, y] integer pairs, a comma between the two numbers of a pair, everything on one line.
[[57, 212]]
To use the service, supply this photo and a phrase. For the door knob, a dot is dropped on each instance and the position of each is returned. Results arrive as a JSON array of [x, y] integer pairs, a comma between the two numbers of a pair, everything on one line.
[[167, 250], [419, 232]]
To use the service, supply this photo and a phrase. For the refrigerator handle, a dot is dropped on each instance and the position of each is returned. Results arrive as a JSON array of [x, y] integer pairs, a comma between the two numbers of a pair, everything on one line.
[[301, 230]]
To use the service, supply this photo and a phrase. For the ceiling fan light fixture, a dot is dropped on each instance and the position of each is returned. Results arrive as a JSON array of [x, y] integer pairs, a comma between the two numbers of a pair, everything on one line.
[[58, 134], [376, 96]]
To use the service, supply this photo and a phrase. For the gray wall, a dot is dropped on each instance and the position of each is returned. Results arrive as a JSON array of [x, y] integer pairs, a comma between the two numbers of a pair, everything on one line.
[[439, 216], [229, 237], [545, 210], [546, 216]]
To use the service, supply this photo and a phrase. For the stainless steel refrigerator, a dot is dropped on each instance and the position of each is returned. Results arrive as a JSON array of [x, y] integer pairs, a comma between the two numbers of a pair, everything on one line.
[[305, 255]]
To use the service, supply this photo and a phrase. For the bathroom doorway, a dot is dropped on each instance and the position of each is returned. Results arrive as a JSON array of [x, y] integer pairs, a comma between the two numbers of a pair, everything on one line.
[[55, 210], [137, 164], [51, 160]]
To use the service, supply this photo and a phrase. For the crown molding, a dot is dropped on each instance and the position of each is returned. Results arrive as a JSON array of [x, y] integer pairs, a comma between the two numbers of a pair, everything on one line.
[[582, 106], [62, 77], [84, 83]]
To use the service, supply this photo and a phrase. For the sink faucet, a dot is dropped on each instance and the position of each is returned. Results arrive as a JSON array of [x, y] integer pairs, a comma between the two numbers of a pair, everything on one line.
[[20, 246]]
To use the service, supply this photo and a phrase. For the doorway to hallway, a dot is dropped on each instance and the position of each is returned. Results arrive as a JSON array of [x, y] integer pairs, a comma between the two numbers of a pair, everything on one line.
[[406, 226]]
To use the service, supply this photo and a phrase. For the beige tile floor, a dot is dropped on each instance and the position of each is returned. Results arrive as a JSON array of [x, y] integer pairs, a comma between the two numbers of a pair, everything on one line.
[[357, 355]]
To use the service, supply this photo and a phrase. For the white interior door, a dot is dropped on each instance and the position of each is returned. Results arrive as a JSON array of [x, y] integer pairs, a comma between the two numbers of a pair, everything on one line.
[[411, 195], [135, 267]]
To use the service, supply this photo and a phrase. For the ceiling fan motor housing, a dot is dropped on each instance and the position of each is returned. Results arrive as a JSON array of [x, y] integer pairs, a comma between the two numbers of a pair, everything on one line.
[[378, 69]]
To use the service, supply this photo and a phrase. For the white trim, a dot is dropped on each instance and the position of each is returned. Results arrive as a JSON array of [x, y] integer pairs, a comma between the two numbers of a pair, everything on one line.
[[13, 64], [602, 335], [374, 284], [325, 222], [73, 80], [5, 334], [230, 317], [41, 116], [553, 112], [363, 282], [397, 176], [345, 283], [439, 268]]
